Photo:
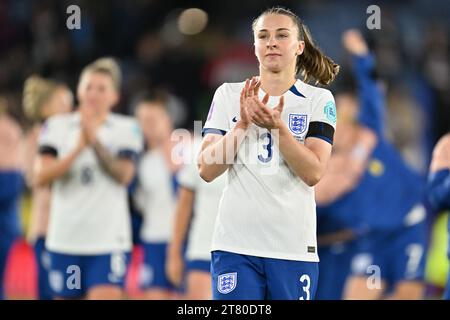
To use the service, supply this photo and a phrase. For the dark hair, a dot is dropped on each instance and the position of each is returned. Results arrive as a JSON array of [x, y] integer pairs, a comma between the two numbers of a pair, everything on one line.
[[312, 63]]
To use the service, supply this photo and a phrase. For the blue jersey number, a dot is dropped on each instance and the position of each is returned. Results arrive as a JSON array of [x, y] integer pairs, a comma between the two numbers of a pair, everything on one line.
[[86, 175], [267, 146]]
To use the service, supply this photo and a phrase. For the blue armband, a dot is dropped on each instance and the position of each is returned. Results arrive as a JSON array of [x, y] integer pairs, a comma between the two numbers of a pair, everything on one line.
[[48, 150], [128, 154], [205, 131], [438, 189]]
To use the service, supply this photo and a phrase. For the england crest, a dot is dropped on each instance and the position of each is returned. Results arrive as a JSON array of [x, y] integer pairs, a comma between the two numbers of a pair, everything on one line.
[[227, 282], [297, 123]]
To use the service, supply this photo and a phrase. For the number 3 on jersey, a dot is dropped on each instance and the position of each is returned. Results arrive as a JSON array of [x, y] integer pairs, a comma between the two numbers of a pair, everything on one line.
[[86, 175], [267, 145]]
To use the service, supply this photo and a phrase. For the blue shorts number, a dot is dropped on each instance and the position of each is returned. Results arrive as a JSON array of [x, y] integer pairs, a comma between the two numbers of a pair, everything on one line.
[[267, 146]]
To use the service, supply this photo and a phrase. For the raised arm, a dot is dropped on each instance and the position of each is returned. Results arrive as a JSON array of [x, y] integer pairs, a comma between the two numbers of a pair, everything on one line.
[[218, 151], [345, 168], [372, 101], [49, 164], [307, 161], [121, 166], [48, 167], [350, 160]]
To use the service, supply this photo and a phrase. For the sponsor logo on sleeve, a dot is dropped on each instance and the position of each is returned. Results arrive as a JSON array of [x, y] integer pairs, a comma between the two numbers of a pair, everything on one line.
[[330, 111]]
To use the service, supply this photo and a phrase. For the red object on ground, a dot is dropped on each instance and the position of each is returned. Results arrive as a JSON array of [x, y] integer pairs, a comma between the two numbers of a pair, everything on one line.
[[21, 272], [132, 280]]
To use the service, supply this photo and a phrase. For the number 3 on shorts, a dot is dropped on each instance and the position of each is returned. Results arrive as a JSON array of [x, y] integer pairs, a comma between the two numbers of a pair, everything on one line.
[[306, 282]]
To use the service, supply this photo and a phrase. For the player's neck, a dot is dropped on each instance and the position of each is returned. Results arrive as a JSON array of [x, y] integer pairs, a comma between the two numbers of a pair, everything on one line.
[[276, 84], [101, 117]]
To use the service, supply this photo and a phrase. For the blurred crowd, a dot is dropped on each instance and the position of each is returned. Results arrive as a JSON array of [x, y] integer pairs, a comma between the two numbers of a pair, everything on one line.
[[412, 48]]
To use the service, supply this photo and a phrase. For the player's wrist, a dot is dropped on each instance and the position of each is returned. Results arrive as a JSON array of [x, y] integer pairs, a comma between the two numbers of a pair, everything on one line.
[[280, 129], [175, 249], [243, 125]]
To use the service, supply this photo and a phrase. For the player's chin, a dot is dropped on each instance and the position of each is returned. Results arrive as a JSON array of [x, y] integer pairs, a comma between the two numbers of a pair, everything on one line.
[[273, 66]]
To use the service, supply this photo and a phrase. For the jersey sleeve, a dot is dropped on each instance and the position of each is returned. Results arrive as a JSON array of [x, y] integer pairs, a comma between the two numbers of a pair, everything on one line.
[[50, 137], [131, 141], [323, 118], [188, 176], [217, 121]]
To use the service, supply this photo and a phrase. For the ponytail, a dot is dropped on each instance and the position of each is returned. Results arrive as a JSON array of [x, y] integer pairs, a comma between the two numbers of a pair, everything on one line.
[[312, 63]]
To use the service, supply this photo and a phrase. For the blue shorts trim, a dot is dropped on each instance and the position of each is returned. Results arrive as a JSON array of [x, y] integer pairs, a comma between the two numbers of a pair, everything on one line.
[[71, 276], [205, 131], [242, 277]]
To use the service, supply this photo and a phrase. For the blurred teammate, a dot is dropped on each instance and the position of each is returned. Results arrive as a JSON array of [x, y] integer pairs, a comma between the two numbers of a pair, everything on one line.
[[274, 144], [42, 99], [89, 157], [11, 185], [195, 214], [371, 191], [156, 194], [439, 186]]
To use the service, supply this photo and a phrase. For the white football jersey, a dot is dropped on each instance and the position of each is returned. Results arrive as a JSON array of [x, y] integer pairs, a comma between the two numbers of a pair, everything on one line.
[[206, 202], [89, 210], [266, 210], [156, 197]]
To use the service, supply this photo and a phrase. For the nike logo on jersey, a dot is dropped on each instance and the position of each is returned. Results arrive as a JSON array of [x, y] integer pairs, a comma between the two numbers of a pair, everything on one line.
[[234, 119]]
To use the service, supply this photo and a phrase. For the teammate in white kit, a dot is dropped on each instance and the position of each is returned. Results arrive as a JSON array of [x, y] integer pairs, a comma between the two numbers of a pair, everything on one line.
[[276, 133], [89, 157], [42, 98], [156, 194], [197, 205]]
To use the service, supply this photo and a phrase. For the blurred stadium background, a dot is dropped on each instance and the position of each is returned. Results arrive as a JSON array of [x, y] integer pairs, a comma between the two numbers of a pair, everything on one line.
[[188, 53]]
